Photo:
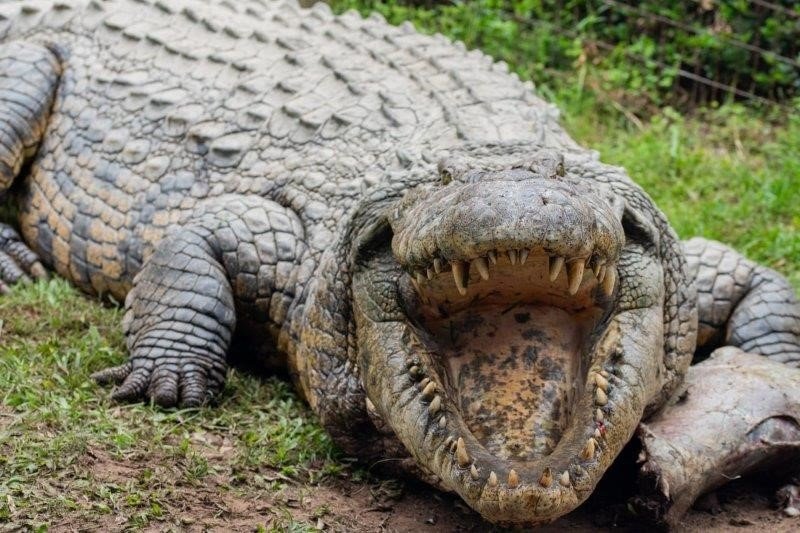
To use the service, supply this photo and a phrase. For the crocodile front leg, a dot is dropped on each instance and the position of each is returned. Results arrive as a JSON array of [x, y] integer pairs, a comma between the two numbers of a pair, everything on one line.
[[29, 75], [238, 257]]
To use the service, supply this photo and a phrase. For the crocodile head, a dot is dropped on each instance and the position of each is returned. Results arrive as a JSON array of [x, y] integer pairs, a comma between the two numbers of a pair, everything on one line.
[[509, 329]]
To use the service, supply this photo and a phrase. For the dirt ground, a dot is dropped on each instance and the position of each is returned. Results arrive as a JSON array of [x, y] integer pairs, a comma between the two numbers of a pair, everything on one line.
[[391, 505]]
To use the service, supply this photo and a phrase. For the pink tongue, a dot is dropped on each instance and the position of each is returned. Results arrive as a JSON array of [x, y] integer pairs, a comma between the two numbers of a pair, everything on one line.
[[515, 372]]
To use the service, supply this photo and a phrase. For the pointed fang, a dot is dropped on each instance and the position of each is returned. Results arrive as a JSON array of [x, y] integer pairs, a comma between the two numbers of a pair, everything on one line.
[[523, 255], [461, 453], [473, 472], [512, 256], [443, 422], [435, 405], [609, 280], [575, 276], [588, 451], [429, 390], [483, 267], [556, 263], [437, 265], [600, 397], [513, 479], [429, 273], [460, 271], [492, 257], [564, 479], [547, 478]]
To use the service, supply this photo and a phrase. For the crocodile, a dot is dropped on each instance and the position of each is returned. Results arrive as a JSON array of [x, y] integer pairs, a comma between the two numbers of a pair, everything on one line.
[[452, 283]]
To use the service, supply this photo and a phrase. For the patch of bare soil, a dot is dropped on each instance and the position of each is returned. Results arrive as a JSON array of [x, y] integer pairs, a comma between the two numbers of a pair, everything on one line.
[[219, 504]]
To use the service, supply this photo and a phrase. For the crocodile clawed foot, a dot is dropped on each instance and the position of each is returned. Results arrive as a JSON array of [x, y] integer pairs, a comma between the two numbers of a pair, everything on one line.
[[168, 385], [18, 263]]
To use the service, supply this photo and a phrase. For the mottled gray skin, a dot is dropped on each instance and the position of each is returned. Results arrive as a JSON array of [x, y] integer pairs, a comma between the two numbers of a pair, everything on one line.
[[249, 173]]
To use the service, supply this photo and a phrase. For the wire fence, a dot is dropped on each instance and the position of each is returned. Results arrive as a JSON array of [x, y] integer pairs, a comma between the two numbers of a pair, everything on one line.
[[704, 76]]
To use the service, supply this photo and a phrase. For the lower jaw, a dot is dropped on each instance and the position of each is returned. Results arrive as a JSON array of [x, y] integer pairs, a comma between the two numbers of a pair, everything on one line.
[[404, 382]]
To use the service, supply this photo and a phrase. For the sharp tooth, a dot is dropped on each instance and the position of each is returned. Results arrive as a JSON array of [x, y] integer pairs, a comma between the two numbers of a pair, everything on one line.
[[547, 478], [575, 275], [609, 281], [564, 479], [460, 276], [473, 472], [448, 441], [598, 415], [442, 422], [492, 257], [492, 481], [414, 371], [483, 267], [596, 269], [597, 434], [513, 479], [588, 450], [604, 373], [424, 382], [512, 256], [429, 273], [602, 274], [437, 265], [555, 267], [461, 453], [416, 285], [419, 277], [523, 255], [429, 390], [601, 382], [600, 397], [435, 405]]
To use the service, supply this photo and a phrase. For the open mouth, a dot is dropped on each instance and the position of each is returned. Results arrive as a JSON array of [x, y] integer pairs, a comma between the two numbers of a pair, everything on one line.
[[509, 332], [511, 336]]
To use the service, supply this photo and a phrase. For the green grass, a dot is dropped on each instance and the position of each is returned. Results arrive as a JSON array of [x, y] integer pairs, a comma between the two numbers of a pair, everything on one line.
[[69, 456], [66, 452]]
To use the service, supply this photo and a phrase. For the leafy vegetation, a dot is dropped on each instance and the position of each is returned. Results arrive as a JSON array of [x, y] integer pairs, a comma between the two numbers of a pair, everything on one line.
[[677, 53], [70, 457]]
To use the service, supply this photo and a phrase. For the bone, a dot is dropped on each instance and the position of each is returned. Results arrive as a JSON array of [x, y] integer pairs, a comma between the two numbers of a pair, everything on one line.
[[483, 267], [513, 479], [460, 273], [461, 453], [555, 266], [738, 414], [609, 280], [564, 479], [512, 256], [492, 481], [575, 275], [546, 479], [588, 451]]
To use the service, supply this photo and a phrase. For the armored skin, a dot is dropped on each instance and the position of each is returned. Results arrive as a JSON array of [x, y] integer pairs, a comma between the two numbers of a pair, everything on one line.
[[450, 280]]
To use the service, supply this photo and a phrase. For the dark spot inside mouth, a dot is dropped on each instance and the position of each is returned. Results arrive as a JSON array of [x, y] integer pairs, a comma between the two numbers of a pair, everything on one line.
[[522, 318]]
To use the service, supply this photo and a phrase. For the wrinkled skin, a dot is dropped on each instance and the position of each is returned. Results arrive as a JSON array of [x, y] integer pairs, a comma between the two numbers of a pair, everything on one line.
[[451, 281]]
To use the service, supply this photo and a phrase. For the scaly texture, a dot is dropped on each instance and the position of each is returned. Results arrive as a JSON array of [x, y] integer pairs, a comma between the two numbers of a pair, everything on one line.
[[350, 200]]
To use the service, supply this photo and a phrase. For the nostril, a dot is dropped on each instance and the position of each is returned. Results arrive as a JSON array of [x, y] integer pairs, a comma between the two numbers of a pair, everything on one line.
[[544, 201]]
